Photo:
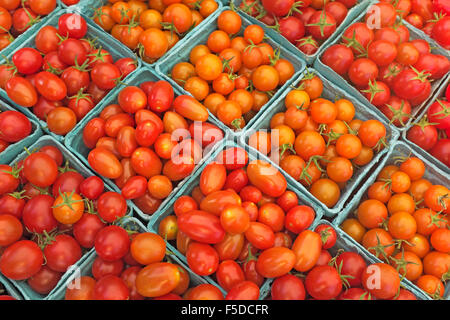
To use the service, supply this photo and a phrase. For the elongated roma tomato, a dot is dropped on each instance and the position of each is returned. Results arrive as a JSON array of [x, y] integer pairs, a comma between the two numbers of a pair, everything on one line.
[[216, 201], [267, 178], [21, 91], [157, 279], [190, 108], [201, 226], [161, 96], [213, 178], [275, 262], [307, 248], [50, 86], [105, 163]]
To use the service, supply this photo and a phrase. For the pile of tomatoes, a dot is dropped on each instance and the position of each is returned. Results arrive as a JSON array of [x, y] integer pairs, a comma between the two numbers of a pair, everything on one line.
[[18, 16], [404, 222], [319, 142], [344, 276], [431, 16], [132, 265], [149, 141], [389, 69], [65, 76], [238, 224], [14, 127], [235, 76], [50, 213], [128, 265], [306, 24], [432, 132], [152, 28]]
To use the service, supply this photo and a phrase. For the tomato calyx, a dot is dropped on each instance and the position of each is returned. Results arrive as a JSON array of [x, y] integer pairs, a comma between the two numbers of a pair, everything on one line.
[[381, 144], [436, 17], [276, 57], [295, 8], [436, 295], [62, 38], [285, 147], [15, 171], [384, 222], [402, 264], [225, 65], [81, 95], [10, 37], [322, 23], [44, 191], [250, 255], [53, 70], [304, 175], [393, 71], [325, 234], [444, 113], [131, 24], [66, 168], [355, 44], [67, 200], [435, 220], [307, 75], [98, 14], [442, 202], [422, 76], [332, 261], [424, 123], [332, 136], [98, 55], [237, 123], [446, 276], [170, 26], [83, 68], [276, 26], [18, 195], [379, 249], [307, 40], [32, 20], [344, 277], [248, 8], [398, 114], [46, 238], [9, 65], [373, 89]]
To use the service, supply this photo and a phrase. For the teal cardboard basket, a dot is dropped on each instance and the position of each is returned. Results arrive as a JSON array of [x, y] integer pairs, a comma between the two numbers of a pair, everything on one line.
[[74, 140], [102, 38], [88, 8], [22, 286], [7, 155], [165, 66], [432, 173], [330, 91], [347, 86], [439, 93], [85, 267], [194, 182], [351, 14], [9, 288]]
